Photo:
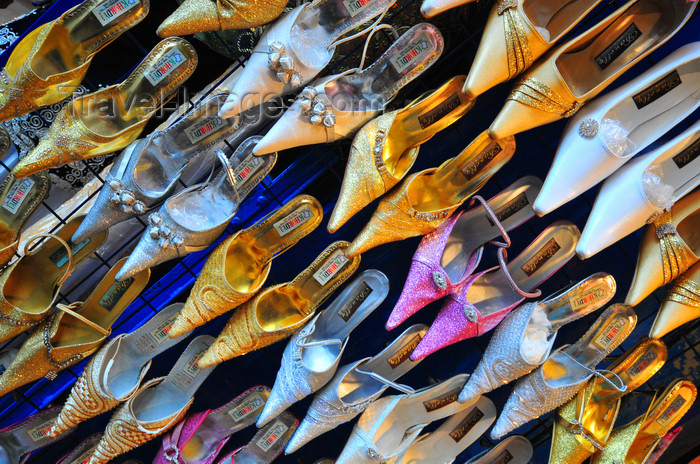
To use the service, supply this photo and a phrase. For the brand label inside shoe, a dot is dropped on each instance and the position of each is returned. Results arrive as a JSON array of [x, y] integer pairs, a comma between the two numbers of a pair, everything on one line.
[[186, 376], [442, 401], [40, 431], [110, 10], [657, 90], [618, 47], [412, 53], [356, 7], [293, 220], [405, 351], [641, 364], [114, 293], [355, 301], [443, 109], [466, 425], [588, 297], [688, 155], [165, 66], [204, 129], [504, 458], [60, 256], [271, 436], [671, 411], [247, 407], [18, 193], [482, 159], [541, 257], [248, 167], [608, 336], [331, 267], [513, 206], [149, 341], [84, 458]]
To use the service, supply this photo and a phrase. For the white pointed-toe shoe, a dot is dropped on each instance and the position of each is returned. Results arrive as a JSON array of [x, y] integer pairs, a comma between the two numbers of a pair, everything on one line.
[[336, 107], [641, 190], [611, 130], [296, 48], [431, 8]]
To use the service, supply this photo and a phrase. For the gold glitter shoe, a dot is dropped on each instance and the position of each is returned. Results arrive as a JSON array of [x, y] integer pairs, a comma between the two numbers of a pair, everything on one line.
[[194, 16], [72, 333], [24, 301], [583, 425], [426, 199], [278, 311], [384, 150], [670, 245], [50, 62], [111, 118], [239, 266], [634, 442], [580, 69], [680, 305]]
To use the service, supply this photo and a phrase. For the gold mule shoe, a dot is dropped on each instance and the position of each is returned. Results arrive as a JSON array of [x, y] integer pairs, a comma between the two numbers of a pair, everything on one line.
[[670, 245], [278, 311], [680, 304], [111, 118], [50, 62], [583, 425], [74, 332], [517, 33], [384, 150], [635, 442], [577, 71], [426, 199], [239, 266]]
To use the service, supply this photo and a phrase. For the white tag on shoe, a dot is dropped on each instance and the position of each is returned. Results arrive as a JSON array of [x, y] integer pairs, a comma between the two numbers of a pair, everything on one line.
[[293, 220], [40, 431], [112, 9], [204, 129], [247, 407], [356, 7], [411, 53], [272, 436], [331, 267], [18, 193], [165, 66]]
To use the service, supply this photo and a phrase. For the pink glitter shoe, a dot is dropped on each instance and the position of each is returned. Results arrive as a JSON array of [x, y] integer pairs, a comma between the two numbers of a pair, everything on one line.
[[447, 257], [490, 295]]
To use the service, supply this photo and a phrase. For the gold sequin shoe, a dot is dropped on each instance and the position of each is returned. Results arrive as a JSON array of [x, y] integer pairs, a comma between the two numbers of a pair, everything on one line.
[[517, 33], [384, 150], [194, 16], [580, 69], [583, 425], [157, 406], [680, 305], [634, 443], [24, 302], [426, 199], [239, 266], [278, 311], [111, 118], [670, 245], [49, 63]]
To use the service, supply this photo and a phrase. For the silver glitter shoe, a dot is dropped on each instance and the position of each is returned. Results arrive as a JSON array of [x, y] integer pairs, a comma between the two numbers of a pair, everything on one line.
[[566, 371], [506, 357], [361, 383], [313, 354], [391, 425], [147, 171], [194, 218]]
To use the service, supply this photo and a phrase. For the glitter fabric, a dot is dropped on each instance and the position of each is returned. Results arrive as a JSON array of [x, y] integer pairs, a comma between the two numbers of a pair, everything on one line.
[[533, 92], [680, 305], [517, 43]]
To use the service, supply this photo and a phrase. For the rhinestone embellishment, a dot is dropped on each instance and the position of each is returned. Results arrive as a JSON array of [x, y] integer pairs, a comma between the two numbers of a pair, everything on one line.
[[373, 454], [665, 229], [439, 280], [283, 65], [172, 454], [125, 199], [506, 5], [588, 128], [316, 109], [162, 233], [470, 313]]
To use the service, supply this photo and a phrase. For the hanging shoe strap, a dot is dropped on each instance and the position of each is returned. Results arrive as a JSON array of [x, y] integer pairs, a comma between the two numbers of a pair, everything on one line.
[[34, 238], [372, 27], [600, 373], [69, 309], [397, 386], [491, 214]]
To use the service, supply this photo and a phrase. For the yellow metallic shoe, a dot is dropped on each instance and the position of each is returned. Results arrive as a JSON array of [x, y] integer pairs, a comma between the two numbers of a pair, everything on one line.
[[384, 150], [426, 199], [278, 311], [670, 245], [25, 301], [634, 442], [111, 118], [51, 61], [583, 425], [239, 266], [72, 333], [194, 16], [680, 305], [577, 71]]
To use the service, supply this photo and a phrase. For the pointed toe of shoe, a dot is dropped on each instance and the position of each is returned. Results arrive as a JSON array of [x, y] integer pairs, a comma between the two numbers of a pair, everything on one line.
[[181, 325], [490, 63], [470, 393], [275, 405], [146, 255], [103, 215], [190, 17], [291, 130], [307, 431], [516, 117], [39, 159], [450, 327], [371, 236], [672, 315]]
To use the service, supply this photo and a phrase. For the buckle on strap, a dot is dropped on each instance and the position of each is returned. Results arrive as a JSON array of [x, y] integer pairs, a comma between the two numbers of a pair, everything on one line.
[[577, 428]]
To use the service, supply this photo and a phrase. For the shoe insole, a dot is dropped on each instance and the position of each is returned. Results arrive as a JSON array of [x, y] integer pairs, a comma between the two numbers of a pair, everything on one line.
[[267, 444], [689, 230], [176, 390], [295, 301], [357, 301], [390, 364], [474, 228], [515, 449], [19, 198], [81, 454], [28, 436], [556, 16], [491, 292], [47, 266], [248, 253]]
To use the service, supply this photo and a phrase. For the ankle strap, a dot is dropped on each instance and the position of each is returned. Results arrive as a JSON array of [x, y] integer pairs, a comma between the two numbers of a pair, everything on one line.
[[69, 310], [599, 373], [34, 238], [490, 213], [397, 386]]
